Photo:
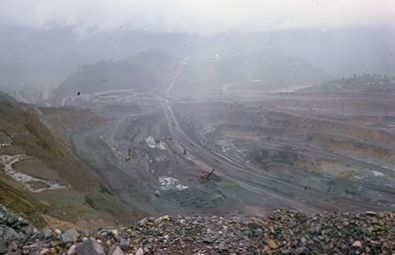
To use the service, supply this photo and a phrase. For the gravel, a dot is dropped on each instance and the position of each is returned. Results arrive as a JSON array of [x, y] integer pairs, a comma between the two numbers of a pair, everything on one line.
[[283, 232]]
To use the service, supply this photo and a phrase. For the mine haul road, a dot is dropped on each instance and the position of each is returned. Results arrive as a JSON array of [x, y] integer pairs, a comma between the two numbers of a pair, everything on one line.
[[239, 187]]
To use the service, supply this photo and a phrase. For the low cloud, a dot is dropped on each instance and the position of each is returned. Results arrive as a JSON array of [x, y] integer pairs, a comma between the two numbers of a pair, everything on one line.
[[202, 17]]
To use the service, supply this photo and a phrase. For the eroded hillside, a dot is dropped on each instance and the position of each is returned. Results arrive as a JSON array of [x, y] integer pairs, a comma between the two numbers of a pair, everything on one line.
[[41, 178]]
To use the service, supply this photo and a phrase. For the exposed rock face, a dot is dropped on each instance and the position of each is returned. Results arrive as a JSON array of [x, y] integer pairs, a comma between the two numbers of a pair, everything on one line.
[[283, 232]]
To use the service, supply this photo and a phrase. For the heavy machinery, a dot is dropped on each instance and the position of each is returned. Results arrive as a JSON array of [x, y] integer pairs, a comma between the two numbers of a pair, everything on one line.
[[265, 163], [128, 156], [205, 175]]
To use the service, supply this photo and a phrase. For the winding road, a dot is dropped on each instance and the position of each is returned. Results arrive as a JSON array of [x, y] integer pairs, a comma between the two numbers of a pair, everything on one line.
[[239, 187]]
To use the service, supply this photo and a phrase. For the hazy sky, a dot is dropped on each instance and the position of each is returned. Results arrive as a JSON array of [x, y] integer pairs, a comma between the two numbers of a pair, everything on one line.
[[195, 16]]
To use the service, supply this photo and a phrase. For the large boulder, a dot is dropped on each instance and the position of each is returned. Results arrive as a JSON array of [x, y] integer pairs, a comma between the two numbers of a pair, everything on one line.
[[8, 234], [90, 247], [70, 235]]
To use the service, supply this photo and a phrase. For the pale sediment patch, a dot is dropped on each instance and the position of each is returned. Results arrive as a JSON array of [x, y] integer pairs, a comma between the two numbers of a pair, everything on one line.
[[25, 179], [161, 158], [155, 145], [377, 173], [169, 183]]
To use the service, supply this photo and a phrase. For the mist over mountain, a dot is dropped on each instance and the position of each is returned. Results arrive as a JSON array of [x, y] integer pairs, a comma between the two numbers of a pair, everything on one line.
[[36, 61], [197, 127], [159, 71], [145, 71], [43, 59], [342, 52]]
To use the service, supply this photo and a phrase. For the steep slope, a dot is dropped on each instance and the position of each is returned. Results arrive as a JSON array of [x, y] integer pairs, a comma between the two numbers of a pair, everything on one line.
[[22, 124], [145, 71], [39, 175]]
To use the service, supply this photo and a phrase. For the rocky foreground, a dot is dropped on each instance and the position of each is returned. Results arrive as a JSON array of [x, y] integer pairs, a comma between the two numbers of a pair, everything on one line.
[[284, 232]]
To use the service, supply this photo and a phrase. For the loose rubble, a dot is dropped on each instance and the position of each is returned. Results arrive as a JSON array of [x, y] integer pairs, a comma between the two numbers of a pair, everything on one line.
[[283, 232]]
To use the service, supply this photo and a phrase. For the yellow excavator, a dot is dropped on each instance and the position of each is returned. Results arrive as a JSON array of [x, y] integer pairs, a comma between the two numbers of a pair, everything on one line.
[[265, 162], [128, 156], [205, 175]]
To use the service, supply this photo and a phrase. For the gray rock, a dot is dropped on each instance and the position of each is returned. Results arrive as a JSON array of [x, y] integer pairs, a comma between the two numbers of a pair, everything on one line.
[[90, 247], [23, 222], [116, 251], [223, 247], [47, 233], [70, 235], [140, 251], [207, 239], [11, 220], [334, 233], [12, 247], [124, 243], [357, 244], [142, 222], [300, 250], [71, 250], [370, 213], [3, 247], [8, 234]]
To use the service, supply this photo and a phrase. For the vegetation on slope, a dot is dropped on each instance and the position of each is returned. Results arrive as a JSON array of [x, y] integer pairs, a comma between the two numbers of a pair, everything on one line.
[[30, 136]]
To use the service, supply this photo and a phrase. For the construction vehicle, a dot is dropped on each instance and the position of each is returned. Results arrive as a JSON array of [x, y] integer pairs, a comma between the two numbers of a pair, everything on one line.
[[128, 156], [205, 175], [265, 163]]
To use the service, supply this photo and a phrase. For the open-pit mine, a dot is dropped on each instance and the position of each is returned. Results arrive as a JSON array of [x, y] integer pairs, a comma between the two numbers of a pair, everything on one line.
[[239, 153]]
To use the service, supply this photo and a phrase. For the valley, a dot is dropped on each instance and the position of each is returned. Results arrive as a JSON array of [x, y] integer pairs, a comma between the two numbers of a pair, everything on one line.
[[197, 127]]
